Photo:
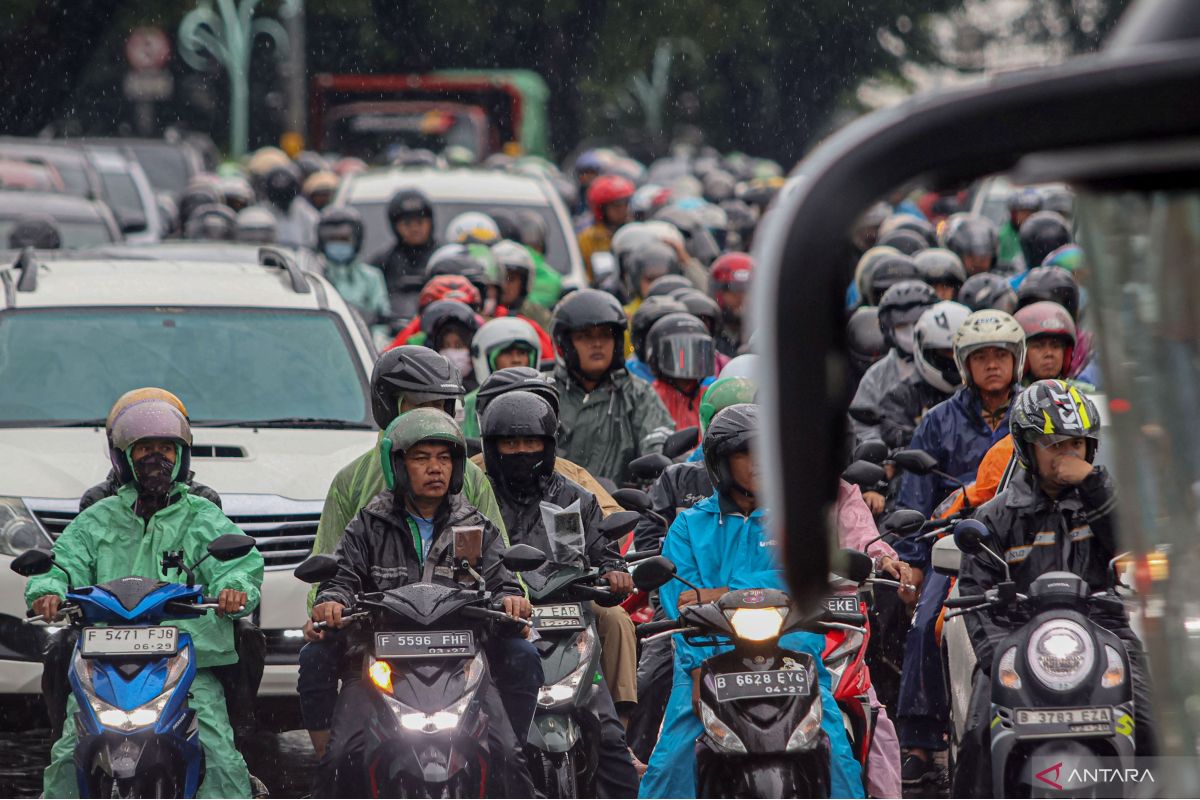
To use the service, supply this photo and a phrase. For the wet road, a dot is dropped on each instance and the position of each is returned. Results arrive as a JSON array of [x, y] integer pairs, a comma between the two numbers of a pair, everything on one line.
[[284, 762]]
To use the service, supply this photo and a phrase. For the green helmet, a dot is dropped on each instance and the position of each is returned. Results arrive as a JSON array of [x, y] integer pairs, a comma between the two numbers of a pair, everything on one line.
[[412, 428], [725, 392]]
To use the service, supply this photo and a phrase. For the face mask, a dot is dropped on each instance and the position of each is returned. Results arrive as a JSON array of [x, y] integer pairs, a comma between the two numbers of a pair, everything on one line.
[[522, 471], [154, 474], [339, 252], [459, 357], [903, 336]]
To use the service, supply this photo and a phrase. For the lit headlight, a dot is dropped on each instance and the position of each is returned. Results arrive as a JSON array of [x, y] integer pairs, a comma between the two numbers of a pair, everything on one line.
[[144, 715], [439, 721], [724, 738], [757, 624], [19, 530], [565, 690], [1061, 654], [1114, 671], [806, 732]]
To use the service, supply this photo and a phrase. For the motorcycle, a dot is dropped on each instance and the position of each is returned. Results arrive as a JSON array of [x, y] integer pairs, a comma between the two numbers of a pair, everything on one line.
[[760, 704], [137, 736], [1061, 691], [426, 735]]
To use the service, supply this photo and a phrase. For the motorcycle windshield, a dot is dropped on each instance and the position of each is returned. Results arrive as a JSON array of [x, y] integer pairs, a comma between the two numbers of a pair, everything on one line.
[[564, 530]]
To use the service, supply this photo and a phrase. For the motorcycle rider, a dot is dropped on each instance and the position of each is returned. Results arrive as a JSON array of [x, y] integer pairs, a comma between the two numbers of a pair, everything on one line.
[[608, 198], [1022, 203], [1041, 234], [608, 418], [729, 282], [1049, 339], [449, 327], [988, 290], [651, 310], [865, 341], [340, 238], [1058, 492], [410, 216], [989, 350], [519, 431], [943, 270], [681, 355], [722, 544], [405, 535], [516, 262], [126, 535], [974, 239], [499, 344], [295, 220]]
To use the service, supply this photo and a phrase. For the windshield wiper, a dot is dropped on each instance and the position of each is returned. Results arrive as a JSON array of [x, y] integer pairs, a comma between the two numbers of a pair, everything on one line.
[[285, 422], [75, 423]]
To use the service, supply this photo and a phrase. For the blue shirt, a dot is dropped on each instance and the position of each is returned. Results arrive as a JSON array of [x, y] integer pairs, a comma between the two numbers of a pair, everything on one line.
[[425, 529]]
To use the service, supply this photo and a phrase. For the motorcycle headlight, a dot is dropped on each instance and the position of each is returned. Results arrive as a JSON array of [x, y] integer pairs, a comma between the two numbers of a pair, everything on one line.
[[725, 738], [144, 715], [757, 624], [439, 721], [806, 732], [1009, 678], [1114, 670], [565, 690], [19, 529], [1061, 654]]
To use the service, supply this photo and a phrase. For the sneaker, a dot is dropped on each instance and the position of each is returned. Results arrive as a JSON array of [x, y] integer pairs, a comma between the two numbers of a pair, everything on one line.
[[916, 770]]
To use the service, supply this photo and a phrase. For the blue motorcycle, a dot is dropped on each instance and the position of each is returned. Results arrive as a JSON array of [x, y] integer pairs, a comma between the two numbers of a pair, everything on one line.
[[131, 675]]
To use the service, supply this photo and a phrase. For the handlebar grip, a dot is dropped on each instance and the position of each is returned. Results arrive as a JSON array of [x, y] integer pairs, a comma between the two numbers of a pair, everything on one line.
[[641, 555], [656, 627], [966, 601], [495, 616], [845, 618]]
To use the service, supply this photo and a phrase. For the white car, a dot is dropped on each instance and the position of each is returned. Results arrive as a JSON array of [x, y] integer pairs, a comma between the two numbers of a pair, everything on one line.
[[451, 192], [271, 364]]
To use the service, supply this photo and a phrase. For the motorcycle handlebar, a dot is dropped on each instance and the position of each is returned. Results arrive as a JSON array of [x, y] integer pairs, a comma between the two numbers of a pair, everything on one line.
[[641, 555], [494, 616], [855, 619], [966, 601], [656, 627]]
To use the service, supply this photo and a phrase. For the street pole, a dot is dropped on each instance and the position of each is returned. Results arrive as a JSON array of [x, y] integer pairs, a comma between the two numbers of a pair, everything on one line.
[[296, 75]]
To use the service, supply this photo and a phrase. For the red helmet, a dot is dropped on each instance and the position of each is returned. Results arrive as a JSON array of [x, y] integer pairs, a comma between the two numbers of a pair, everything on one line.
[[450, 287], [607, 189], [1046, 318], [730, 272]]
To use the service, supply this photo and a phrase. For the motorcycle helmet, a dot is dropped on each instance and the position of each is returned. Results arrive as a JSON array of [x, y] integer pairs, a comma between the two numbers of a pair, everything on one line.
[[525, 415], [864, 339], [908, 222], [515, 258], [887, 272], [281, 186], [899, 310], [1041, 234], [415, 427], [701, 306], [149, 417], [1050, 283], [680, 346], [512, 379], [255, 225], [196, 194], [449, 287], [340, 222], [605, 190], [988, 328], [581, 310], [1046, 318], [865, 269], [1051, 411], [667, 285], [972, 237], [533, 229], [649, 312], [941, 267], [236, 192], [213, 222], [743, 366], [1025, 199], [472, 227], [907, 241], [722, 393], [498, 335], [988, 290], [318, 189], [933, 344], [650, 261], [441, 315], [408, 204], [731, 272], [733, 429], [1069, 257], [419, 373]]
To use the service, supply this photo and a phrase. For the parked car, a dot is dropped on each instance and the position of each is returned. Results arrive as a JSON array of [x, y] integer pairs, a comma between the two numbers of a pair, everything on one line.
[[78, 176], [81, 223], [35, 176], [169, 165], [128, 193], [271, 364]]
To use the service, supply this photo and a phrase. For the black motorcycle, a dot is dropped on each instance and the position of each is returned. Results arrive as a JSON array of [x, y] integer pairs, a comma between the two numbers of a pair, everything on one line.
[[760, 703], [1061, 694], [427, 733]]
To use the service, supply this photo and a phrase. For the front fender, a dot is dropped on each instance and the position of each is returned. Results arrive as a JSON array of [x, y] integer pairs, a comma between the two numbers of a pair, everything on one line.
[[553, 733]]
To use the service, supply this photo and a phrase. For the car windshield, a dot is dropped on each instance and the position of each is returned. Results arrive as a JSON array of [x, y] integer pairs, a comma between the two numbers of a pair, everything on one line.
[[227, 365], [378, 237], [75, 233], [166, 167], [120, 192]]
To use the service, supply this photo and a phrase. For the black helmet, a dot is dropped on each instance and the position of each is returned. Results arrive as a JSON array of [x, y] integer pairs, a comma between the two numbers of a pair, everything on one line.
[[732, 430], [903, 304], [1050, 283], [212, 221], [581, 310], [339, 219], [418, 372], [988, 290], [680, 346], [668, 284], [650, 260], [888, 271], [1026, 198], [971, 235], [440, 313], [281, 186], [518, 414], [408, 203], [1051, 411], [194, 196], [905, 240], [506, 221], [509, 379], [864, 338], [907, 222], [700, 305], [35, 230], [533, 229], [1041, 234], [309, 163], [649, 312], [939, 266]]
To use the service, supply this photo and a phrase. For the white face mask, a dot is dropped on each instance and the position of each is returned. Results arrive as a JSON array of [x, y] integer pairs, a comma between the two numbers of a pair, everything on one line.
[[903, 336], [460, 357]]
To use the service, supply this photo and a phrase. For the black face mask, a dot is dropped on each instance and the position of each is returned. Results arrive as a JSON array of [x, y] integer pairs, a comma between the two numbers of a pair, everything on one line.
[[153, 473], [522, 471]]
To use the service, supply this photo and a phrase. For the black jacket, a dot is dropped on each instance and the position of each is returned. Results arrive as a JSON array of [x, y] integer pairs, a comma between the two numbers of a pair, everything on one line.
[[902, 408], [109, 487], [1036, 535], [404, 271], [378, 551], [523, 520], [680, 486]]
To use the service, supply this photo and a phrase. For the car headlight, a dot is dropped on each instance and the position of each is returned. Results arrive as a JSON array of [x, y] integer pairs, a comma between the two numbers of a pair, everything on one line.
[[565, 690], [1061, 654], [439, 721], [757, 624], [19, 529], [725, 738], [1114, 670], [1009, 677], [806, 732]]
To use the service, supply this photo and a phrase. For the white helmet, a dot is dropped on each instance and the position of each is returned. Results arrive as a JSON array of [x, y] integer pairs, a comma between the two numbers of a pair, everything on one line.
[[474, 226], [495, 337], [935, 331], [989, 327], [743, 366], [514, 256]]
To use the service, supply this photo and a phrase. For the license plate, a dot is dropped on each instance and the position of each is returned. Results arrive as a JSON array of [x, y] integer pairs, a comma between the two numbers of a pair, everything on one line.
[[159, 640], [845, 604], [428, 644], [564, 616], [1064, 716], [742, 685]]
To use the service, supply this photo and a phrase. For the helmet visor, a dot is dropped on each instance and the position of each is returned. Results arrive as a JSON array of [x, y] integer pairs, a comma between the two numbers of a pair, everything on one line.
[[686, 356]]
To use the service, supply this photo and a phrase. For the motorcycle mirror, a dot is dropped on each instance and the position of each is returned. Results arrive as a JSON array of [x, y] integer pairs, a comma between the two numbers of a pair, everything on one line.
[[522, 558], [653, 573], [872, 450], [865, 415], [854, 565], [33, 562], [864, 474], [904, 522], [681, 441], [618, 524], [918, 462], [316, 569], [649, 467], [970, 535], [632, 499], [231, 546], [468, 545]]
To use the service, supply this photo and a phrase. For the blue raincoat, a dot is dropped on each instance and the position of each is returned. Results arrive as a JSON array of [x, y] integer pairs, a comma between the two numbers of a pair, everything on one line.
[[710, 547]]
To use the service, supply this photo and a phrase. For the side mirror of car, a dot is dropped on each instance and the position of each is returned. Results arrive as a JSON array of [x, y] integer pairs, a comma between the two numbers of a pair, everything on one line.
[[970, 536], [648, 467], [854, 565], [317, 569], [33, 562], [619, 524], [904, 522], [872, 450], [864, 474], [522, 558], [231, 546], [633, 499], [653, 573], [918, 462], [681, 441]]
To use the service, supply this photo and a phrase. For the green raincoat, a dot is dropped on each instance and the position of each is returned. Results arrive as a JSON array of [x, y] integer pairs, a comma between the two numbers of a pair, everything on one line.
[[108, 541]]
